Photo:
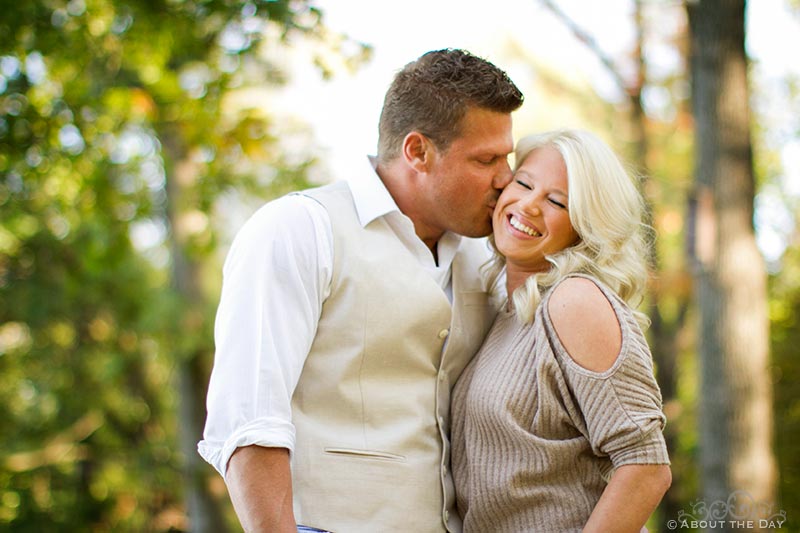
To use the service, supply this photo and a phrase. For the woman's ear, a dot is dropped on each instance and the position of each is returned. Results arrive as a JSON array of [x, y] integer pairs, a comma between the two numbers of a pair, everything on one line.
[[417, 151]]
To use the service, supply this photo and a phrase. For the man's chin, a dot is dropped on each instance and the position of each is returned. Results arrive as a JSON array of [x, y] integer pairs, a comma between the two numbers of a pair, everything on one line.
[[476, 233]]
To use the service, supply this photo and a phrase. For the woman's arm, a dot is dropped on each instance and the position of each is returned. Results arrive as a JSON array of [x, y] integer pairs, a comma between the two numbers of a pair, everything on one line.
[[589, 330], [618, 510]]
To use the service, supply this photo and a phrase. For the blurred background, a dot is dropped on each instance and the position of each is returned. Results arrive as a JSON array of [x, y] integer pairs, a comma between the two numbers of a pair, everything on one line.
[[136, 136]]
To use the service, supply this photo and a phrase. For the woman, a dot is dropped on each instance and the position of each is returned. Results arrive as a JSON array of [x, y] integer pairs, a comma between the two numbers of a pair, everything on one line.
[[557, 422]]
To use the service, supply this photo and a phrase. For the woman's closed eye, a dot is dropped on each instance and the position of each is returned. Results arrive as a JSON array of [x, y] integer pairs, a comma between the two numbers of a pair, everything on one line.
[[558, 203], [524, 184]]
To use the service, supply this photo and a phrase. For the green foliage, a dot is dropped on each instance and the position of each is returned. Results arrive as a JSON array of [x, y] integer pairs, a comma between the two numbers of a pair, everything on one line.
[[777, 128], [117, 139], [785, 321]]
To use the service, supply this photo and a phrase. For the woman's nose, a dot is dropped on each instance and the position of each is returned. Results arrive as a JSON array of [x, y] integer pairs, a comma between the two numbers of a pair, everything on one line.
[[531, 204]]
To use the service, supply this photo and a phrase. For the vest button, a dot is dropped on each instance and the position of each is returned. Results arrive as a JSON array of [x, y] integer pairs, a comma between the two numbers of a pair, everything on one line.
[[446, 515], [444, 333]]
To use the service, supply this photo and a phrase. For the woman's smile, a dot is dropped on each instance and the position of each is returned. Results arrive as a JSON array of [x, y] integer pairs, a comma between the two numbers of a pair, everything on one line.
[[523, 227]]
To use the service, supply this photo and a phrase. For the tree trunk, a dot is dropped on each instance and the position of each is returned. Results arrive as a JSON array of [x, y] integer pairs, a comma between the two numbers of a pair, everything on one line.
[[735, 395], [203, 511]]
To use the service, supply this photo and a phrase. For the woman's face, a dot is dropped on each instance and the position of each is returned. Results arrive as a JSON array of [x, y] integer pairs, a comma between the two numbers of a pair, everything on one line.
[[531, 218]]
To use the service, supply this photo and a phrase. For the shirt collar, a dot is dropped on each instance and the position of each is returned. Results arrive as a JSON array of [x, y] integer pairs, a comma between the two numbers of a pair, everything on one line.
[[372, 201], [370, 195]]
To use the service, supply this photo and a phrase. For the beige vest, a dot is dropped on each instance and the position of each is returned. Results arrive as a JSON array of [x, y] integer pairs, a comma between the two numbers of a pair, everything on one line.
[[372, 405]]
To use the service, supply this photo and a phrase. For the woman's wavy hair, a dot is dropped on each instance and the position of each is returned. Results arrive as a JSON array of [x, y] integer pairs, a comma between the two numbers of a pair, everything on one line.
[[605, 208]]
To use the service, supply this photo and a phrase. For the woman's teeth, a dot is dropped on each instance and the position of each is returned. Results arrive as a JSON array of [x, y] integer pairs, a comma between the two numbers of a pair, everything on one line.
[[523, 228]]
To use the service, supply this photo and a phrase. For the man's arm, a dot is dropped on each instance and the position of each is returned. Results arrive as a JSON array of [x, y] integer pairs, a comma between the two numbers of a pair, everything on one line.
[[260, 485], [277, 276], [629, 499]]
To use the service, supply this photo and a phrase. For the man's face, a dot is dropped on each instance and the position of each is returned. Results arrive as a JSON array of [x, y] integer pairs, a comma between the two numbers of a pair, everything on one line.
[[463, 182]]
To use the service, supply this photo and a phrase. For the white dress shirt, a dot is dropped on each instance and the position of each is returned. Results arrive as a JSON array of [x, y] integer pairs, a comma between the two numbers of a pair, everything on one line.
[[275, 279]]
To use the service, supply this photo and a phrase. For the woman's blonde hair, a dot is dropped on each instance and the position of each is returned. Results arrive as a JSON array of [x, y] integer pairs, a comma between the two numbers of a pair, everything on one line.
[[605, 209]]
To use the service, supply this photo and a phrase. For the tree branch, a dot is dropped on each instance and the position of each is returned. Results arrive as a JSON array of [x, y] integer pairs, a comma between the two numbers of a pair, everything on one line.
[[63, 448], [587, 39]]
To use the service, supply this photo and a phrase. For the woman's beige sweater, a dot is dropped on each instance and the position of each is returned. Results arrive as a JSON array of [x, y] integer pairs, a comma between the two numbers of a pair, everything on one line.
[[536, 437]]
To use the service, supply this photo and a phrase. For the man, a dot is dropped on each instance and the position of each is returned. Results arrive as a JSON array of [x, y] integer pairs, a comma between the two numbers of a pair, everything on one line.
[[348, 312]]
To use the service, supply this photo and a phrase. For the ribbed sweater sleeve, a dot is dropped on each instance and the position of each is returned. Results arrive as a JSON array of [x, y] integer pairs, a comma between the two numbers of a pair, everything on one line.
[[619, 409]]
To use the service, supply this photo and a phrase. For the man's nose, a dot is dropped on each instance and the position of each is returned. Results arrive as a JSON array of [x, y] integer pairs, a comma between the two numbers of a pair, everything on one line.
[[503, 177]]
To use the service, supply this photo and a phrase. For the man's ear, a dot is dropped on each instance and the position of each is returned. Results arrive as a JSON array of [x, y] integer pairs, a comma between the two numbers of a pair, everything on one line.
[[418, 151]]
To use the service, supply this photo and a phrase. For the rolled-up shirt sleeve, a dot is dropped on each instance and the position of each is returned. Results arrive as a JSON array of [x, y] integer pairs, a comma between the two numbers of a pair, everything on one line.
[[275, 278]]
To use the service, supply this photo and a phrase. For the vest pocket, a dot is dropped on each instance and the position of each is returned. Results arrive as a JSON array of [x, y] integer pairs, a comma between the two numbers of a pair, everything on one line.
[[364, 454]]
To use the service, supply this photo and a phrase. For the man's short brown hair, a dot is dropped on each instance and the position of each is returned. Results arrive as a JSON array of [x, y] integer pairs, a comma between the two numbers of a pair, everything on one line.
[[432, 94]]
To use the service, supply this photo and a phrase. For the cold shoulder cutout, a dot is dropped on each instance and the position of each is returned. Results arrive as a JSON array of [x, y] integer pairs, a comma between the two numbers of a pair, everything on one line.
[[586, 323]]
